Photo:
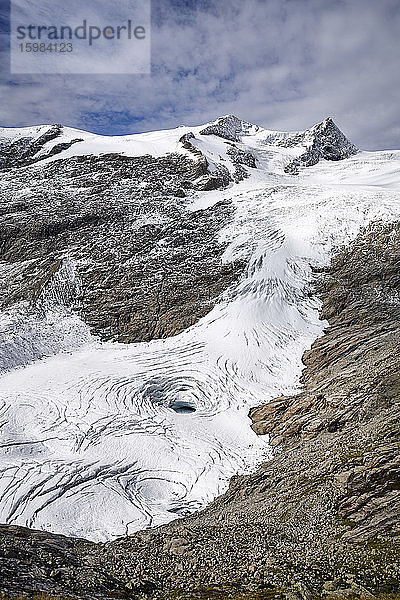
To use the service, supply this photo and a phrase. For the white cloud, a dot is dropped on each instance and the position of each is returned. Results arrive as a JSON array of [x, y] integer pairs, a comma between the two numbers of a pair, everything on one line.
[[283, 64]]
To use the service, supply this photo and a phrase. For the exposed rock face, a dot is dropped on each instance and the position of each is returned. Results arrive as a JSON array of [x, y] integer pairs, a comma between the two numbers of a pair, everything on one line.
[[321, 519], [210, 180], [26, 151], [147, 266], [221, 177], [241, 157], [228, 127], [324, 140]]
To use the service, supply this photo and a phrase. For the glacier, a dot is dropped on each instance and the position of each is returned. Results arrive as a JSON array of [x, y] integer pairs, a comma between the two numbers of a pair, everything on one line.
[[100, 439]]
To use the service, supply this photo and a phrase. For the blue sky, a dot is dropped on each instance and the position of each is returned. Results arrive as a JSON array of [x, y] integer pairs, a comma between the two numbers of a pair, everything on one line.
[[284, 64]]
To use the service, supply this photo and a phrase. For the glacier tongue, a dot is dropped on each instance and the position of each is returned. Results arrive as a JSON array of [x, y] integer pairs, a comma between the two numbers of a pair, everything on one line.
[[106, 438]]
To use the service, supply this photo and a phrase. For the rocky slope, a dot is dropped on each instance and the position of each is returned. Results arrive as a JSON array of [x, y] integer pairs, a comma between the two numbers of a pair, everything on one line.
[[123, 223], [321, 518]]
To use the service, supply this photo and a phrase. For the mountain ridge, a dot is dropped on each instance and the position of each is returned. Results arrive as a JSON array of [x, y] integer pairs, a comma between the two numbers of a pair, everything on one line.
[[32, 144]]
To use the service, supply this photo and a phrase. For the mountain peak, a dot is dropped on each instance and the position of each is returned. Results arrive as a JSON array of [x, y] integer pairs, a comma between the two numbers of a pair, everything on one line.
[[328, 121], [322, 141], [331, 141], [228, 127]]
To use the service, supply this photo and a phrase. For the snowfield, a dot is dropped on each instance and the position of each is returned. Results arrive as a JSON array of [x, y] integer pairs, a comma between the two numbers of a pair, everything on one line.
[[102, 439]]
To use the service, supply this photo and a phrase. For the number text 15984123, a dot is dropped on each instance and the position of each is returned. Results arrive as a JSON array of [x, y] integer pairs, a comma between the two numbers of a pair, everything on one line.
[[43, 47]]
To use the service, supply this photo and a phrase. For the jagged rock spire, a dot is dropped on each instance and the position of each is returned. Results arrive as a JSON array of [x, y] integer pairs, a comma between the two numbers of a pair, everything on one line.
[[324, 140]]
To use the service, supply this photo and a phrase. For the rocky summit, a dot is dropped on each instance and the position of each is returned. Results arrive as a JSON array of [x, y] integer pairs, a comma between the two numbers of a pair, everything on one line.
[[199, 390]]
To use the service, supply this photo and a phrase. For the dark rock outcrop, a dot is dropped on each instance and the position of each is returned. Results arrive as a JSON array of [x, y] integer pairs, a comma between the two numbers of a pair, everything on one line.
[[241, 157], [26, 151], [208, 179], [324, 140], [228, 127]]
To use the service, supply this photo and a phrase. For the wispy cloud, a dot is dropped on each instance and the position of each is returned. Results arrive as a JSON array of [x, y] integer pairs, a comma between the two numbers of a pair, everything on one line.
[[284, 64]]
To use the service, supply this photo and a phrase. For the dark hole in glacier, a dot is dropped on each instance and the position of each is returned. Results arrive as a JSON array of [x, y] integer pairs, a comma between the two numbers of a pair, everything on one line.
[[180, 406]]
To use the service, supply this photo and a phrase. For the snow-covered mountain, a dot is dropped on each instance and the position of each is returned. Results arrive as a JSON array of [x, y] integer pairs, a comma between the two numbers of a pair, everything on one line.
[[154, 288], [27, 145]]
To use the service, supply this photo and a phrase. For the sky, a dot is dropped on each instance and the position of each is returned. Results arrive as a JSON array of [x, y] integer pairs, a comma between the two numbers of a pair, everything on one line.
[[283, 64]]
